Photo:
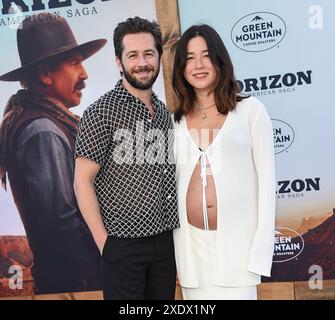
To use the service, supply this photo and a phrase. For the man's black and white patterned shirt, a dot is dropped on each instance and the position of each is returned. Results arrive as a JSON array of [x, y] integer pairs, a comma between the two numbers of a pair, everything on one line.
[[135, 186]]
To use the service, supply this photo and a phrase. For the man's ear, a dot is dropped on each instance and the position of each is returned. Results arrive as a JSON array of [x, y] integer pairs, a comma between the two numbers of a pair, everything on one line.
[[45, 74], [119, 64]]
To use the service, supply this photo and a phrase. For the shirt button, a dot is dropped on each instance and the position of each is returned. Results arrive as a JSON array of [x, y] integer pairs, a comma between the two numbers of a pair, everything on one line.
[[149, 120], [165, 170], [169, 196]]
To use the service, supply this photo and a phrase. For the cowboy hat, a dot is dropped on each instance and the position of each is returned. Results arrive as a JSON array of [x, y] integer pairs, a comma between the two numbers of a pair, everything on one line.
[[43, 36]]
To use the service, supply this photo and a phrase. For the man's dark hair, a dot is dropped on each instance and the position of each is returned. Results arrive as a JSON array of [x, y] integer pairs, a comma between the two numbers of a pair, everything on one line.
[[225, 88], [133, 26]]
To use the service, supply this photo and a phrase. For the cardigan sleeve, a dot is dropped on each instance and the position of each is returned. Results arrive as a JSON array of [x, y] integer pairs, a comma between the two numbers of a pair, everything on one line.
[[260, 259]]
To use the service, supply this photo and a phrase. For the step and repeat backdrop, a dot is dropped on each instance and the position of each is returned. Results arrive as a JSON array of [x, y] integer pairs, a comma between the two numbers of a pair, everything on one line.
[[283, 55], [89, 20]]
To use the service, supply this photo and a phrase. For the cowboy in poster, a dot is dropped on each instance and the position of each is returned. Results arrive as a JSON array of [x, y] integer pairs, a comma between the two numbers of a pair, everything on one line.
[[37, 137]]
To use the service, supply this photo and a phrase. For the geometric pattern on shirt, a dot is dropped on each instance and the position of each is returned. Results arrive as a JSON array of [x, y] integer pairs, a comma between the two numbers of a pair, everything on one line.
[[137, 195]]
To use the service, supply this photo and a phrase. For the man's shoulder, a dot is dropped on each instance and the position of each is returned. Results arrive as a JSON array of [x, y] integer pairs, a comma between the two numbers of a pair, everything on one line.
[[104, 104], [41, 127], [161, 105]]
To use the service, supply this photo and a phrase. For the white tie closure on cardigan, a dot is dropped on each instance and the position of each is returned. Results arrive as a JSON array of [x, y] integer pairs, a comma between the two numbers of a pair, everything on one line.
[[203, 175]]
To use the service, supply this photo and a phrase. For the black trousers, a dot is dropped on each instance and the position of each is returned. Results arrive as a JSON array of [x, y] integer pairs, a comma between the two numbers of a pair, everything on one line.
[[139, 268]]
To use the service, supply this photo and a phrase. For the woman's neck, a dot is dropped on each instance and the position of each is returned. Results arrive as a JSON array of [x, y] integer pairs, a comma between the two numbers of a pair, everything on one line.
[[204, 99]]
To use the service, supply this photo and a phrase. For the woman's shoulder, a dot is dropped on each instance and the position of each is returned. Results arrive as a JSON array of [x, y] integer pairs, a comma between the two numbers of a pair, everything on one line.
[[180, 122], [250, 104]]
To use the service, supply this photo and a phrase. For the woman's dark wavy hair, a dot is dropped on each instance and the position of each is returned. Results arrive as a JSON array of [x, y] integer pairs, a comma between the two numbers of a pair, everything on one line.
[[225, 89]]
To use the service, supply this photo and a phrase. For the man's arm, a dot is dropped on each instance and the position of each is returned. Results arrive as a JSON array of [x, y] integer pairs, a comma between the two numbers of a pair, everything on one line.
[[84, 175]]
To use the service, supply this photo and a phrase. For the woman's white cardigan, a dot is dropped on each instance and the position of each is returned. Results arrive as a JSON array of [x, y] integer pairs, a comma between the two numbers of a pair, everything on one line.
[[242, 161]]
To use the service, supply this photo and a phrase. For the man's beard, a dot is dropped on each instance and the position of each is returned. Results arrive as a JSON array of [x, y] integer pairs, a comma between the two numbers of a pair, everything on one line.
[[138, 84]]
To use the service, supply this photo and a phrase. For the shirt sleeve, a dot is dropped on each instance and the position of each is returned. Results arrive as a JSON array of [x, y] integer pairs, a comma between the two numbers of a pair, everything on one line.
[[93, 137], [261, 254], [46, 161]]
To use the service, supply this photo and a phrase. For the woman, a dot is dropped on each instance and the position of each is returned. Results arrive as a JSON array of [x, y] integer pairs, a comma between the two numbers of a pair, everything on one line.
[[225, 175]]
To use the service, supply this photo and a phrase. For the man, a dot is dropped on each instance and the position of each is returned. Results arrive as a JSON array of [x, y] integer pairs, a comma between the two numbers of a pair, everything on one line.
[[124, 183], [37, 138]]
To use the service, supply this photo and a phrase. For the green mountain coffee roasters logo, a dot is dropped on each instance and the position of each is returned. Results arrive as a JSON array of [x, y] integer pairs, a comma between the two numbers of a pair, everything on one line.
[[283, 135], [288, 244], [258, 31]]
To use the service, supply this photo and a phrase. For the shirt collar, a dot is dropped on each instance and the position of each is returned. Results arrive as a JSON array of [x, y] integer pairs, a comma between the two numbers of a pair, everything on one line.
[[125, 94]]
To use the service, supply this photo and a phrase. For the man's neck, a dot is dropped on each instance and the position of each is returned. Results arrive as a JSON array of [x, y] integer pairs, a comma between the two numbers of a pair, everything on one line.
[[143, 95], [40, 91]]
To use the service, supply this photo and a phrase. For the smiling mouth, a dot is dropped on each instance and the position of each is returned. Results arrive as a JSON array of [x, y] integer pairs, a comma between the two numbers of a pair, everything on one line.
[[200, 75], [144, 72]]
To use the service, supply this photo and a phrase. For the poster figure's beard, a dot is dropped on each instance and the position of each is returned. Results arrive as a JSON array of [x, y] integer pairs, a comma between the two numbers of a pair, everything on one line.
[[138, 84]]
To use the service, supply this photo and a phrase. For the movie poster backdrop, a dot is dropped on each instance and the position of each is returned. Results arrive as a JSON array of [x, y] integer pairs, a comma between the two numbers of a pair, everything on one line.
[[89, 20]]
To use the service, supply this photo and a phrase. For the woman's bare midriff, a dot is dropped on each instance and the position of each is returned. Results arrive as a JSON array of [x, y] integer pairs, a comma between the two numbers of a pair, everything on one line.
[[203, 135], [194, 200]]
